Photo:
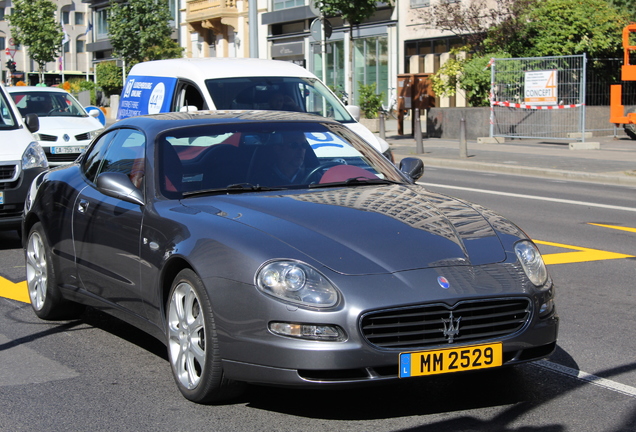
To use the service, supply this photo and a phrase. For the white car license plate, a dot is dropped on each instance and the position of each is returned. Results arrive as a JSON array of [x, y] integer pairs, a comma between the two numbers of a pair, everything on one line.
[[450, 360], [67, 150]]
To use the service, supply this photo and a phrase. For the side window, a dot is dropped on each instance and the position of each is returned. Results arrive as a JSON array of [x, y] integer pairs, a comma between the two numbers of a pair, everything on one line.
[[126, 155], [189, 95], [95, 155]]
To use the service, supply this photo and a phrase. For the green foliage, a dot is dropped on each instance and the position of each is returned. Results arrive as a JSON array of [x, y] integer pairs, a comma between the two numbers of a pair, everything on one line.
[[109, 78], [475, 79], [139, 30], [370, 101], [78, 85], [354, 12], [564, 27], [445, 80], [33, 24]]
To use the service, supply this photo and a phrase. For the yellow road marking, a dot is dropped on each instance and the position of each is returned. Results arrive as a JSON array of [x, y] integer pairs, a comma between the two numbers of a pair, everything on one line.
[[14, 291], [615, 227], [582, 254]]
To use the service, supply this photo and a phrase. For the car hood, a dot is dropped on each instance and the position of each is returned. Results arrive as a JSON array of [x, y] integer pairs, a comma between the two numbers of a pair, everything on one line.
[[368, 229], [70, 125], [19, 139]]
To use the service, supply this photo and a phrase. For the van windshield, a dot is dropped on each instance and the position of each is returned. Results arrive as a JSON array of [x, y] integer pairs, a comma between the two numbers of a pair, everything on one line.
[[277, 93]]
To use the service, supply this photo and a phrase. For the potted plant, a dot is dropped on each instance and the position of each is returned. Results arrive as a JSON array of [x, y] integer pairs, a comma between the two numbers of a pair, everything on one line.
[[370, 104]]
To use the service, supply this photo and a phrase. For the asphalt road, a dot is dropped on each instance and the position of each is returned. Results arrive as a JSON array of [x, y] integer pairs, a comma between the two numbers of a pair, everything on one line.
[[99, 374]]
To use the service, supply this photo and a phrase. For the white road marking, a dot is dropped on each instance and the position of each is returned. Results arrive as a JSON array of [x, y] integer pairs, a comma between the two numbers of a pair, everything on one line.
[[533, 197], [586, 377]]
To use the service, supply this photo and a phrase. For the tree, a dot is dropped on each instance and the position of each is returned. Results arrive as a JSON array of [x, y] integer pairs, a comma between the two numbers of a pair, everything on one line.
[[353, 12], [33, 24], [109, 78], [474, 20], [567, 27], [139, 30]]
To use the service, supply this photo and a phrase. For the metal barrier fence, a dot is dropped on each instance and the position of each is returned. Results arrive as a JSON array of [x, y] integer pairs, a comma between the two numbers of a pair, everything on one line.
[[538, 97]]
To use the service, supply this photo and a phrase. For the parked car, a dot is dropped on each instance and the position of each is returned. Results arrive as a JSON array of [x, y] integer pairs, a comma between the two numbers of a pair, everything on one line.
[[339, 271], [21, 160], [235, 83], [65, 126]]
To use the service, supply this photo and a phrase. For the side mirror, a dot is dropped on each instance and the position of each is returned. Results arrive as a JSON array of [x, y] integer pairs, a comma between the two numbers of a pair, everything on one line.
[[93, 113], [32, 122], [118, 185], [412, 167], [355, 112]]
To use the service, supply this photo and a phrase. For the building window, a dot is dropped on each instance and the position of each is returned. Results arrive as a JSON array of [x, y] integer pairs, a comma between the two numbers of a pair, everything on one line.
[[67, 47], [334, 77], [101, 24], [2, 43], [65, 17], [1, 14], [420, 3], [79, 18], [79, 46], [286, 4], [371, 64]]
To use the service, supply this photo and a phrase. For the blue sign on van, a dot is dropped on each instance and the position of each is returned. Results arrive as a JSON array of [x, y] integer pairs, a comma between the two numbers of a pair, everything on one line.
[[145, 95]]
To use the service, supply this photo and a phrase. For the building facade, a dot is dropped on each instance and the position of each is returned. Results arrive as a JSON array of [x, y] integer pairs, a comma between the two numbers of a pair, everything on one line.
[[74, 60]]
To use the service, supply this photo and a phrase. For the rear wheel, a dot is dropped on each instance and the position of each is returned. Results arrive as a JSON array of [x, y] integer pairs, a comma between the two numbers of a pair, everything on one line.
[[630, 128], [193, 347], [46, 300]]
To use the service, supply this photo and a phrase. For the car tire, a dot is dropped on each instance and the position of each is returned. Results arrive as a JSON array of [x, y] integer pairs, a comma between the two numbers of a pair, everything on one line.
[[193, 348], [46, 299]]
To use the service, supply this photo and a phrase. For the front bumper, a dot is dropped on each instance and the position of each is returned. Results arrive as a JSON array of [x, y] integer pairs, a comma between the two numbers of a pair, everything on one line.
[[13, 195], [253, 354]]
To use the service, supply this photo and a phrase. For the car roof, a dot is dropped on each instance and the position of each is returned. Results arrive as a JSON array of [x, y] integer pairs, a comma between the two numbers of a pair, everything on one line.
[[21, 89], [219, 67], [156, 123]]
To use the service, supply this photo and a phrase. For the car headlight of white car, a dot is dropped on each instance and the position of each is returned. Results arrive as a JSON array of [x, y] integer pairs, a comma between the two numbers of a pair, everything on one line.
[[34, 157], [296, 282]]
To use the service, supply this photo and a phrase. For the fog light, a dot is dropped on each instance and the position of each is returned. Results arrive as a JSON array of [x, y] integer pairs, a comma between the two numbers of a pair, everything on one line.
[[323, 332]]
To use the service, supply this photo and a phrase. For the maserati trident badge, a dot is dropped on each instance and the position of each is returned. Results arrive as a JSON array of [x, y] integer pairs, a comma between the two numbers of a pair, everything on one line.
[[451, 327]]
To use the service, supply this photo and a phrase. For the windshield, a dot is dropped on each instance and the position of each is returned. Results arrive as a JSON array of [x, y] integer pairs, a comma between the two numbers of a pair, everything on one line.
[[48, 104], [234, 158], [7, 120], [277, 93]]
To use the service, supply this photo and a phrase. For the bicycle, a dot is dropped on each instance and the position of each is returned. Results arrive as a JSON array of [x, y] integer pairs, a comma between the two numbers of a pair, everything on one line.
[[390, 109]]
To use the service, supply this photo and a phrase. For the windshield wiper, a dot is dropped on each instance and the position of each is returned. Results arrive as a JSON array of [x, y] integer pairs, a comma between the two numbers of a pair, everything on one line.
[[356, 181], [233, 188]]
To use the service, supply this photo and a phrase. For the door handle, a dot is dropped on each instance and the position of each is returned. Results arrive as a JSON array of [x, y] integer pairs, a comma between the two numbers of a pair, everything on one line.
[[82, 206]]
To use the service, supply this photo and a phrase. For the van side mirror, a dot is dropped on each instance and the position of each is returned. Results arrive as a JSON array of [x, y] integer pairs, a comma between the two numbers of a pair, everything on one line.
[[354, 110], [32, 122]]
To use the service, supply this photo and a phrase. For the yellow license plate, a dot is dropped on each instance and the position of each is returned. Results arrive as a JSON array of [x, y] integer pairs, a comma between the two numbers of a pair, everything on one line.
[[450, 360]]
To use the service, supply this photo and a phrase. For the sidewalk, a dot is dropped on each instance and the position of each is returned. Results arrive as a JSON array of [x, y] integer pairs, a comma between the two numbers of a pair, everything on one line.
[[614, 163]]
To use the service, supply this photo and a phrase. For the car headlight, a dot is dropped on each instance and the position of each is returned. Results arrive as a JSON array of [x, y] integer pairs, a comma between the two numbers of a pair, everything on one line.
[[94, 133], [297, 283], [532, 262], [34, 157]]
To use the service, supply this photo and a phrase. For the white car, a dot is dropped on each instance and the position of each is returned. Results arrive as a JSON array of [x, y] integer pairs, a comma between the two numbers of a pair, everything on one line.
[[65, 126]]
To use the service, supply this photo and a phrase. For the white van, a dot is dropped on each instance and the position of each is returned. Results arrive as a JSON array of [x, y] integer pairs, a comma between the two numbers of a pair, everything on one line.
[[235, 83], [21, 160]]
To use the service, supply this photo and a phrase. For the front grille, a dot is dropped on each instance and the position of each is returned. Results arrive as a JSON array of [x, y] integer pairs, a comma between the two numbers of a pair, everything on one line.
[[83, 137], [45, 137], [7, 172], [11, 210], [423, 326]]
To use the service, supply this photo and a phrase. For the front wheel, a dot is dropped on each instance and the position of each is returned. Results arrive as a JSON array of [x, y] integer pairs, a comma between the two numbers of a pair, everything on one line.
[[46, 299], [193, 347]]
